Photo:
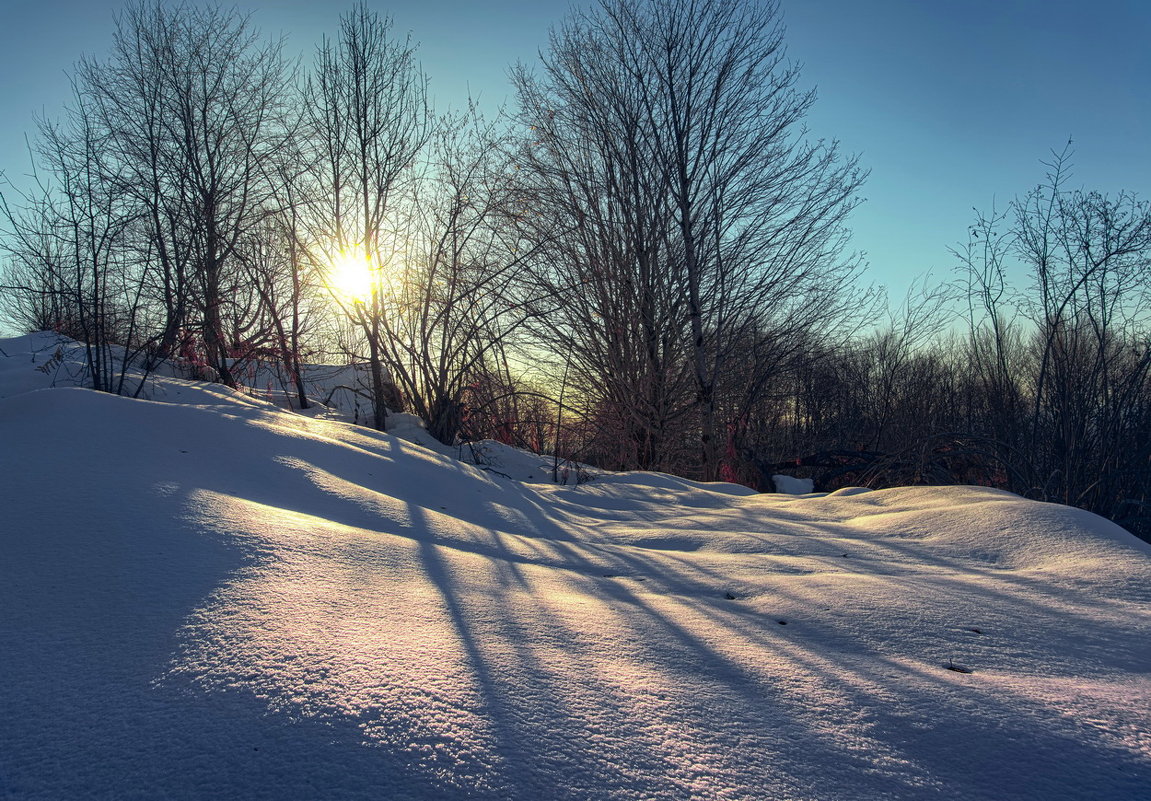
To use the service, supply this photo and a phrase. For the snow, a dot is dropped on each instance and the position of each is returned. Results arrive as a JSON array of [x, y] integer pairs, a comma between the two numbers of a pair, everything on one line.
[[792, 485], [495, 457], [205, 596]]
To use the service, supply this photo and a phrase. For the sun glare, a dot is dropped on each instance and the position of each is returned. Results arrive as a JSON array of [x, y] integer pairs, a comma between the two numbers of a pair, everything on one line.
[[351, 274]]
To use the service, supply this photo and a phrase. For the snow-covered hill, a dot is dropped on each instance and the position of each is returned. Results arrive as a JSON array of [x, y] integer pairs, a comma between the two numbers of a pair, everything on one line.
[[208, 597]]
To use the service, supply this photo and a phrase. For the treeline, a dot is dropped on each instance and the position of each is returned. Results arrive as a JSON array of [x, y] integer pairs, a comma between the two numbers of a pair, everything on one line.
[[642, 264], [1030, 372]]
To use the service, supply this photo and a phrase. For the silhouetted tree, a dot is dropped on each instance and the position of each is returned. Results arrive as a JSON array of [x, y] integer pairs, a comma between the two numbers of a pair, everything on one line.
[[369, 120], [194, 106], [674, 127]]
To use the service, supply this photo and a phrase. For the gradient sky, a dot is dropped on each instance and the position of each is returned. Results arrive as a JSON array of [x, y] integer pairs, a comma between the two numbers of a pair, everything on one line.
[[950, 103]]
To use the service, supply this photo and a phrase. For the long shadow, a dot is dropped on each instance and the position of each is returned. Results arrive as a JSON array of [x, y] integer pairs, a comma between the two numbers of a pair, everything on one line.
[[662, 687], [934, 753], [97, 594]]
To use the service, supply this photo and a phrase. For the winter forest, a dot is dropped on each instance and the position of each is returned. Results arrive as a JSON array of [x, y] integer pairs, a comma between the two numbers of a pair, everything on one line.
[[644, 263]]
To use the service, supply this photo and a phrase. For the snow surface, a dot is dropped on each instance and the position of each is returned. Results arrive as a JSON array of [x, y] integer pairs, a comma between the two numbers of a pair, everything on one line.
[[792, 485], [209, 597]]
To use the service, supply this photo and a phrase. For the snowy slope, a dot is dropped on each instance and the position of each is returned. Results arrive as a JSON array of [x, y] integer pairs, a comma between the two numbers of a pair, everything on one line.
[[47, 360], [212, 598]]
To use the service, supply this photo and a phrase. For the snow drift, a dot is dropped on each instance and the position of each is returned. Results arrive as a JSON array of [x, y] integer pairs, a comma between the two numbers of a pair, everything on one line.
[[210, 598]]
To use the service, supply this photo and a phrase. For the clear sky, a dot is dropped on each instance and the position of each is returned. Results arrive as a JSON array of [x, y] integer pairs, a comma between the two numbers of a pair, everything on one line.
[[950, 103]]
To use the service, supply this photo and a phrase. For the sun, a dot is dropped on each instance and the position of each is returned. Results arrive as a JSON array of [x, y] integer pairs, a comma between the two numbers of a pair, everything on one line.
[[351, 275]]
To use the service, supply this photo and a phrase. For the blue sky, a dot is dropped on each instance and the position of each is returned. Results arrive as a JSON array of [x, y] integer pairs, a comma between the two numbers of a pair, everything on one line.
[[951, 104]]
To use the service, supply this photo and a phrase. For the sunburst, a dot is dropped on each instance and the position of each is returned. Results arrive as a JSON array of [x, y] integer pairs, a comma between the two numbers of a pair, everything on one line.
[[352, 275]]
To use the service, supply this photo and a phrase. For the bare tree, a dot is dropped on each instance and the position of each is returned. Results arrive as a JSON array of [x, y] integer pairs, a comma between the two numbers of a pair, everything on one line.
[[68, 243], [369, 119], [684, 115], [35, 293], [286, 297], [447, 310], [1090, 262], [609, 281], [194, 105]]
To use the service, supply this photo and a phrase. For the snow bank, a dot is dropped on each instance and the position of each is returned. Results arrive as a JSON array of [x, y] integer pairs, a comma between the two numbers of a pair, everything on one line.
[[792, 485], [208, 597]]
